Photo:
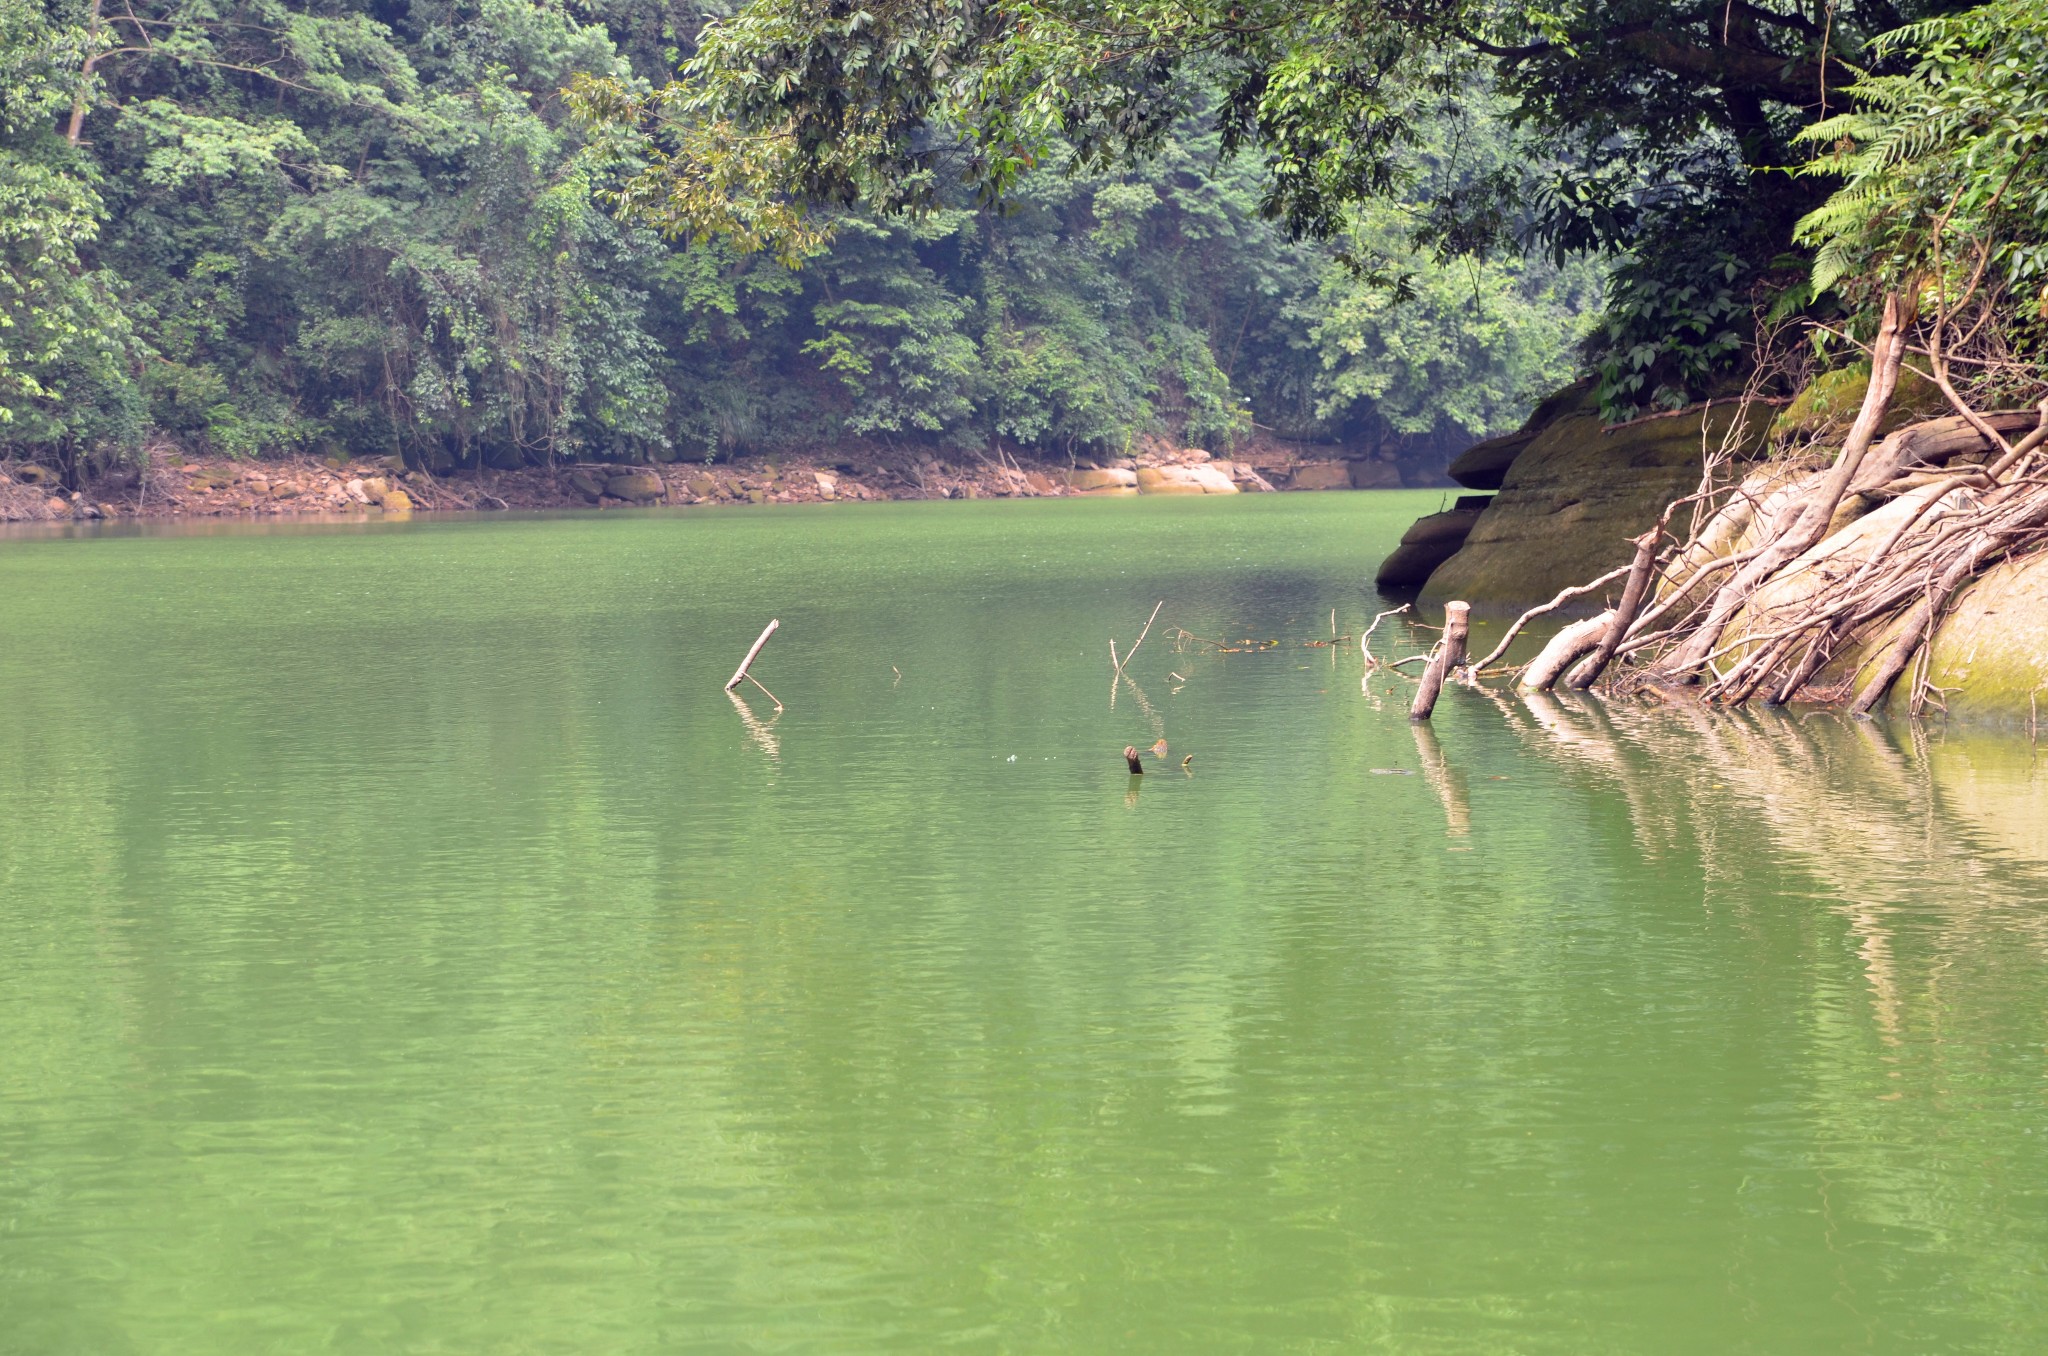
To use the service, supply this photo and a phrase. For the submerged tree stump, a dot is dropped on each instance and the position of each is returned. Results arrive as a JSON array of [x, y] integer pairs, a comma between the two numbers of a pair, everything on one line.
[[1450, 652]]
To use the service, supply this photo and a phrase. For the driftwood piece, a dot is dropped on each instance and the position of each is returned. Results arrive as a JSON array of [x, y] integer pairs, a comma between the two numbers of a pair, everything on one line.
[[1139, 641], [1450, 653], [1934, 442], [739, 675], [1566, 648], [1365, 641], [1564, 596]]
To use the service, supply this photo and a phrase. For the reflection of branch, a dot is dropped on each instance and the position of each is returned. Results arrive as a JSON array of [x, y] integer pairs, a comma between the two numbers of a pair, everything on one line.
[[1139, 641], [1447, 782], [763, 734], [1158, 725]]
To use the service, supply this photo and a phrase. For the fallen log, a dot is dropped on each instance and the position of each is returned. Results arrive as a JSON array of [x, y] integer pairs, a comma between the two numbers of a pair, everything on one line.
[[1632, 595]]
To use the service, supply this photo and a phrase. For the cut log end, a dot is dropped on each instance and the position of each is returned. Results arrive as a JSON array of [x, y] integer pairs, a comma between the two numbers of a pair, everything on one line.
[[1450, 653]]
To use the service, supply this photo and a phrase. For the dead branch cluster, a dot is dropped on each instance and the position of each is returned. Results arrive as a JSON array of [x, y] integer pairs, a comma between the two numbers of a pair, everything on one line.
[[1785, 567]]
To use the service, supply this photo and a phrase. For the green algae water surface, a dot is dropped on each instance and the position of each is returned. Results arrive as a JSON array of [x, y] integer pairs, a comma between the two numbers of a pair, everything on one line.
[[407, 947]]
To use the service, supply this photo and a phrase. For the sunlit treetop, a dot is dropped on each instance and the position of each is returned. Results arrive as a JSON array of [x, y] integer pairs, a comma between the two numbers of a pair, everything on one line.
[[1630, 108]]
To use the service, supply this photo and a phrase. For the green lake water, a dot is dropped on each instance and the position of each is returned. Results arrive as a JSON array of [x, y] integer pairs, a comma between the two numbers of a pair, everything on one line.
[[407, 947]]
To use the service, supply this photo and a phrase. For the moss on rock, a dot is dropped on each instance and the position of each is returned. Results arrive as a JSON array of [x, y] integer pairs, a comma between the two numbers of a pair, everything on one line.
[[1992, 651], [1574, 497], [1827, 405], [639, 487]]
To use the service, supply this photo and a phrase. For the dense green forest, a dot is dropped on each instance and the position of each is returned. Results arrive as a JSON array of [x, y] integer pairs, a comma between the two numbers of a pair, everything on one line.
[[1804, 202], [261, 226], [500, 232], [1749, 169]]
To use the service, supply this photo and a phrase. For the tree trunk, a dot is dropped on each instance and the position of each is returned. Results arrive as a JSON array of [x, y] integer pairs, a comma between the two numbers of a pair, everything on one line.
[[1632, 595], [1808, 526], [1563, 651], [1450, 652], [92, 60]]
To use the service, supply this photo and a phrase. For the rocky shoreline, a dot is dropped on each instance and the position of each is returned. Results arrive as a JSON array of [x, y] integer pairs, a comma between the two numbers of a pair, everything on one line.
[[174, 486], [1560, 502]]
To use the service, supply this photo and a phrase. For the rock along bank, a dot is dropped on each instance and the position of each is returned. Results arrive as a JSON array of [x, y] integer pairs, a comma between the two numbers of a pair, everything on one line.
[[1568, 493]]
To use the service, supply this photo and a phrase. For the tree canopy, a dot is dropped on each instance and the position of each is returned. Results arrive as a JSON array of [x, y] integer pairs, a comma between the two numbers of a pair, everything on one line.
[[249, 226], [1660, 133], [264, 225]]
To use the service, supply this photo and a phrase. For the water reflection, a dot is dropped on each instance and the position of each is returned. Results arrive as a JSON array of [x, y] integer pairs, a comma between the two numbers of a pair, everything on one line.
[[1893, 819], [435, 966], [1447, 781], [762, 733]]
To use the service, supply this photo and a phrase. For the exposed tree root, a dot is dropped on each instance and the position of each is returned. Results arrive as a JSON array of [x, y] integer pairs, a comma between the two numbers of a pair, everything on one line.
[[1788, 575]]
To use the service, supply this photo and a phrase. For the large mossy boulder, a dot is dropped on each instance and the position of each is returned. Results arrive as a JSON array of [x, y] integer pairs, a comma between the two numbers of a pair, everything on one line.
[[1427, 544], [1201, 479], [1321, 475], [1574, 497], [1827, 405], [635, 487], [1483, 466], [1989, 658], [1095, 478], [1991, 654]]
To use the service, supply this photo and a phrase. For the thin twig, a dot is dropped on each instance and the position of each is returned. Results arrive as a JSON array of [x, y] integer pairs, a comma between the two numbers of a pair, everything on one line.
[[1141, 636], [1564, 596], [1365, 641]]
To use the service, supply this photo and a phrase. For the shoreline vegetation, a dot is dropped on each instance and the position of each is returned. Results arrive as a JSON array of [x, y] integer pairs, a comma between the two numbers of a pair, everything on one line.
[[1799, 265], [271, 231], [176, 486], [1827, 545]]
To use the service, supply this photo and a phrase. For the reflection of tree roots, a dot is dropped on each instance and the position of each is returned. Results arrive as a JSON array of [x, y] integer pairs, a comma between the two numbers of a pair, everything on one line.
[[762, 733], [1855, 805]]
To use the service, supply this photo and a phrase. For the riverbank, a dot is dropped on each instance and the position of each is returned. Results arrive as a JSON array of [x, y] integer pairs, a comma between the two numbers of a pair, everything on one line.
[[1572, 494], [180, 486]]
